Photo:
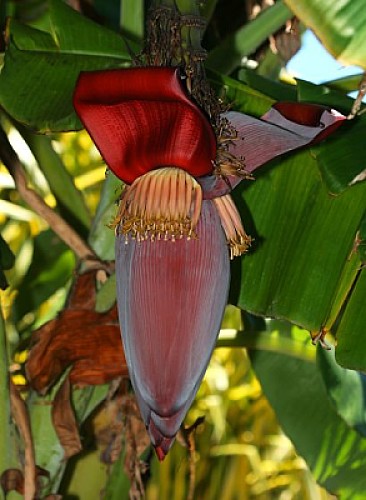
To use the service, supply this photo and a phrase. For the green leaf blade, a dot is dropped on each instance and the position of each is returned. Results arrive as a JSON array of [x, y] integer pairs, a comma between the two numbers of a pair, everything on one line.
[[345, 388], [334, 452], [351, 351], [40, 70], [340, 26], [302, 242], [228, 55]]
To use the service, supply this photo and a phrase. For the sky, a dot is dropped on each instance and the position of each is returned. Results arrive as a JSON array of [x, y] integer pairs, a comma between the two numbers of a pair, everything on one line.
[[315, 64]]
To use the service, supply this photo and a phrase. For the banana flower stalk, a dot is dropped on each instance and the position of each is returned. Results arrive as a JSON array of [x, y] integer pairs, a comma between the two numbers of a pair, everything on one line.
[[177, 226]]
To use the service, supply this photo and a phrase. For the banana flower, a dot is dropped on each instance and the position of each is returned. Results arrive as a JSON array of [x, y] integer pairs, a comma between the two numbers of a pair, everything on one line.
[[177, 226]]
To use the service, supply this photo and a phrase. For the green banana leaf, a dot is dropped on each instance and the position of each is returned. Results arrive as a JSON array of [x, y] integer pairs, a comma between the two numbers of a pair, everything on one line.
[[277, 90], [49, 452], [302, 245], [51, 268], [228, 55], [351, 351], [40, 68], [345, 388], [304, 263], [345, 84], [132, 18], [333, 450], [106, 296], [340, 26]]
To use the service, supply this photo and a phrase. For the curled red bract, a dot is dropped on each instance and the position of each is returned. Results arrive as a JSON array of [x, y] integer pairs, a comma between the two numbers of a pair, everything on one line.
[[142, 119]]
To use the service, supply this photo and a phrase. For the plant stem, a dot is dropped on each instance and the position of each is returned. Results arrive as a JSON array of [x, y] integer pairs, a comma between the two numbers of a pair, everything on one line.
[[69, 199], [191, 35], [21, 418], [7, 438], [174, 33]]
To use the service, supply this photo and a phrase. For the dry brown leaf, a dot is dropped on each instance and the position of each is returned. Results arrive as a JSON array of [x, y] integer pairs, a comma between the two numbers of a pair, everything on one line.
[[64, 421], [12, 480], [83, 339], [88, 341], [83, 293], [119, 424], [287, 41], [136, 441]]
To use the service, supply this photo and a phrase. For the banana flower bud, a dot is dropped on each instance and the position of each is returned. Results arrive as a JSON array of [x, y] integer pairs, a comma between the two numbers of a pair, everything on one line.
[[177, 226]]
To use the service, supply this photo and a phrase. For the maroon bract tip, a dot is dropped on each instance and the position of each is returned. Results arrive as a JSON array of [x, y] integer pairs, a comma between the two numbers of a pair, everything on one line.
[[317, 117], [161, 443], [301, 113], [160, 453], [142, 119]]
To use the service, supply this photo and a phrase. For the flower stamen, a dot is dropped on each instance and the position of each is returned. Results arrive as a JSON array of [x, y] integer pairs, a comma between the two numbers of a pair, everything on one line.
[[226, 163], [237, 238], [162, 204]]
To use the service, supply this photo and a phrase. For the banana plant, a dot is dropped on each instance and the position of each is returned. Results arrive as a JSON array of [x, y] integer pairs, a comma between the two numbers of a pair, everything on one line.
[[171, 142]]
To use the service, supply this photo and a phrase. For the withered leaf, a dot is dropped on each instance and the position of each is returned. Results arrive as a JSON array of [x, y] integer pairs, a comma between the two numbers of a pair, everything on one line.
[[12, 480], [88, 341], [136, 441], [119, 426], [287, 41], [64, 421], [83, 292]]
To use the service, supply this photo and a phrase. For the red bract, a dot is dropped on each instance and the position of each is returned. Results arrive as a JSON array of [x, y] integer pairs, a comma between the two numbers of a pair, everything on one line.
[[171, 298], [172, 267], [142, 119]]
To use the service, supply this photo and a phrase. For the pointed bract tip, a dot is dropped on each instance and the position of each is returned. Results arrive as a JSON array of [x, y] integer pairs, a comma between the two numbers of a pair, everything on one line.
[[161, 443], [160, 453]]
